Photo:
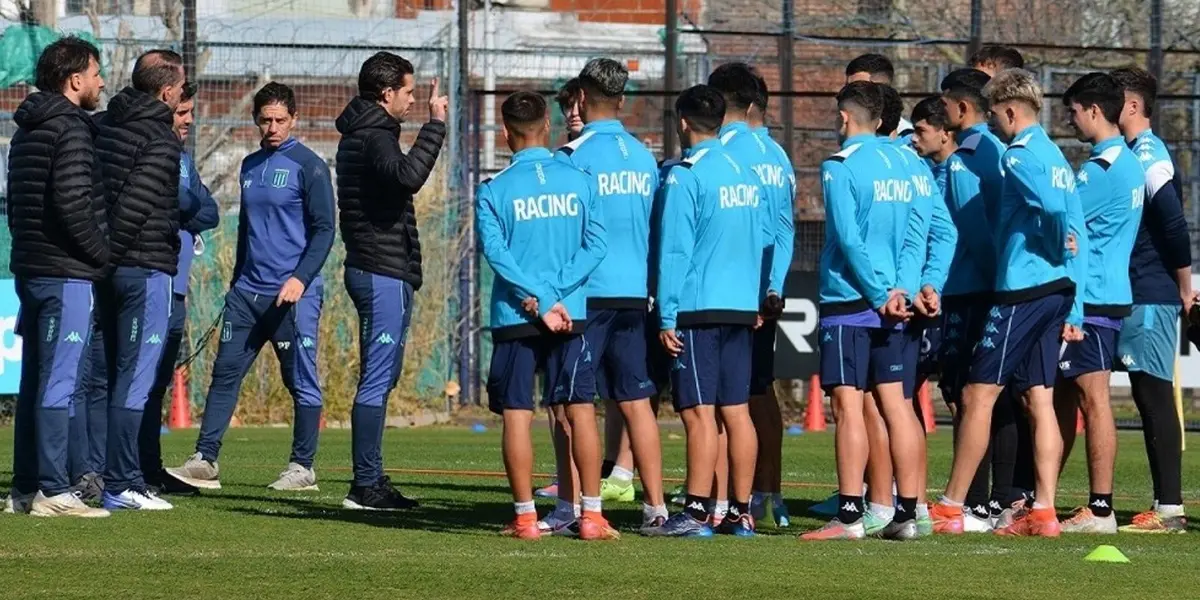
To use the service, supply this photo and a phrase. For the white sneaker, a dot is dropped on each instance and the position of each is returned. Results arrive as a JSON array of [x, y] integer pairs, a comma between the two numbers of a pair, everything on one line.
[[296, 478], [198, 472], [1084, 521], [973, 523], [18, 503], [135, 500], [555, 521], [63, 505]]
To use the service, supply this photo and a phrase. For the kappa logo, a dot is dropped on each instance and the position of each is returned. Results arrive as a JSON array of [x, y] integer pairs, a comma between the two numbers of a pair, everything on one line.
[[644, 385], [1100, 503], [246, 184], [154, 340], [991, 328], [279, 178], [896, 368], [988, 343], [995, 313], [696, 506], [850, 507], [1128, 361], [283, 345], [307, 342], [587, 358], [827, 336], [385, 338], [954, 319], [678, 365], [133, 330], [74, 338]]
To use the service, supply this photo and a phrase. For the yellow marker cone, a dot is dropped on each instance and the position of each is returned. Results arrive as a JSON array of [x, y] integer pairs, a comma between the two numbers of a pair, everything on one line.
[[1106, 553]]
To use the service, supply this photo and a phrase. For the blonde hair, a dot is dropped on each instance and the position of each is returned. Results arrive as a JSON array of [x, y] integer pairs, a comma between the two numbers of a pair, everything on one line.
[[1012, 85]]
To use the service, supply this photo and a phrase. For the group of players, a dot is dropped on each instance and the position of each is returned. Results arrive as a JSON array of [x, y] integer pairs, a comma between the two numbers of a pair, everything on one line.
[[991, 266], [106, 212]]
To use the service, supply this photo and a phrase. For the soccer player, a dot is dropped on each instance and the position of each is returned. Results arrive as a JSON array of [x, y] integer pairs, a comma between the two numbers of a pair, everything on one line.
[[1111, 187], [860, 303], [1022, 334], [140, 152], [878, 68], [974, 181], [377, 184], [197, 213], [764, 405], [568, 104], [993, 59], [285, 231], [59, 251], [541, 230], [709, 271], [1161, 279], [626, 178]]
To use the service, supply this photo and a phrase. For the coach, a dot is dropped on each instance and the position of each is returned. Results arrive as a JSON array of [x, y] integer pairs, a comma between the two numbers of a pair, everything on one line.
[[59, 249], [140, 153], [376, 184]]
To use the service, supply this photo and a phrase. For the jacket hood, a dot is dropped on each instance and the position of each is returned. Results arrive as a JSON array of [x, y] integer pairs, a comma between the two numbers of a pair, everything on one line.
[[40, 107], [361, 113], [133, 105]]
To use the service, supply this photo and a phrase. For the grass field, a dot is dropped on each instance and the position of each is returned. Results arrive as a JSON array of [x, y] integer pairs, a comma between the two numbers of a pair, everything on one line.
[[247, 542]]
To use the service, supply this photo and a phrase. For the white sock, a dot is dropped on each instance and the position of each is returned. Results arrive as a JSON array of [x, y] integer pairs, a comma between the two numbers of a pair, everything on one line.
[[1169, 510], [948, 502], [922, 510], [894, 493], [882, 510], [621, 474], [721, 507], [575, 508], [649, 512], [591, 504], [1038, 505], [524, 508], [564, 508]]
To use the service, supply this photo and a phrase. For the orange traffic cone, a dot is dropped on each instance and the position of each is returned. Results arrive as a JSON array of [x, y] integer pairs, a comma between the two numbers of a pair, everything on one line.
[[1078, 421], [926, 399], [181, 409], [814, 415]]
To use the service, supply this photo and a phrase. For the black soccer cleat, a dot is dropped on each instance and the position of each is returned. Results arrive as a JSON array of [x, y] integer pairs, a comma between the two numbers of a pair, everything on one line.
[[381, 496]]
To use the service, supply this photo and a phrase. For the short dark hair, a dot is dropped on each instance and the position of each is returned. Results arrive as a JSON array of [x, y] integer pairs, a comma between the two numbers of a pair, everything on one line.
[[189, 91], [1138, 81], [1097, 89], [1002, 57], [932, 111], [892, 112], [157, 69], [736, 82], [703, 107], [62, 59], [382, 71], [522, 111], [604, 78], [275, 93], [966, 84], [872, 64], [764, 93], [569, 94], [863, 98]]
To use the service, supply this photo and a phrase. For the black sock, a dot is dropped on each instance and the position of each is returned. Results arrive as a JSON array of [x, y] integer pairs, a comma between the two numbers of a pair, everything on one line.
[[906, 510], [696, 507], [606, 469], [1101, 504], [850, 508], [737, 509], [979, 510], [1160, 426], [1005, 448]]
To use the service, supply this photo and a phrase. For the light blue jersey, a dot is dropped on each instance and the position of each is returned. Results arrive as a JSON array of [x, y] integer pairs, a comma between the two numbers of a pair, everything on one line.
[[626, 178], [541, 229], [1112, 190], [940, 233], [779, 183], [868, 191], [712, 240], [1031, 234], [974, 181]]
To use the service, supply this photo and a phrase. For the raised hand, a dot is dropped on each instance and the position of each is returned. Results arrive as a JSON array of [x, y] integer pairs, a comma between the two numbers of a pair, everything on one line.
[[439, 106]]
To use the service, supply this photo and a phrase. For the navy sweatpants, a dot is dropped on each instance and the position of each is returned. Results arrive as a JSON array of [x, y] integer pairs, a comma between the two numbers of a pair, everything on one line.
[[54, 320], [140, 300], [89, 419], [251, 320], [384, 306], [150, 435]]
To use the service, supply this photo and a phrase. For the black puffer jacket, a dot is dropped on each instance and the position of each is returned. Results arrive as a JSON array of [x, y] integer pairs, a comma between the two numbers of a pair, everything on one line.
[[140, 153], [376, 183], [56, 192]]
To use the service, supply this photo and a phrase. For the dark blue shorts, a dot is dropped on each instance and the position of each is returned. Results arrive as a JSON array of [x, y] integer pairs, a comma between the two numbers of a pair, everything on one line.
[[929, 332], [861, 357], [1097, 352], [658, 360], [762, 359], [714, 368], [1021, 343], [894, 354], [620, 347], [963, 320], [563, 360]]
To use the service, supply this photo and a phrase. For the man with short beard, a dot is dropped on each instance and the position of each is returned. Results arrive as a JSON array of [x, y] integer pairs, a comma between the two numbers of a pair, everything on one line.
[[59, 250]]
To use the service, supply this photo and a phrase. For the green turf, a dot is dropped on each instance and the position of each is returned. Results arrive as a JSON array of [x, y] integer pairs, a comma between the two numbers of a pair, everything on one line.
[[247, 542]]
